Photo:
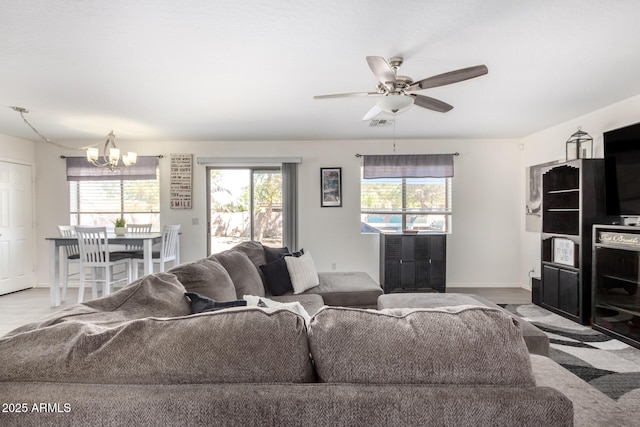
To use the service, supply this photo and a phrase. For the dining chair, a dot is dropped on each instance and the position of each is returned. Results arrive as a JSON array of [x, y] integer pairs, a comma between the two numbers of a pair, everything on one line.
[[136, 229], [93, 243], [169, 250], [72, 256]]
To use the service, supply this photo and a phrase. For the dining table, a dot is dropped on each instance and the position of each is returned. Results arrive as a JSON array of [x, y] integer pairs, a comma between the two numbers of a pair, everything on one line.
[[57, 244]]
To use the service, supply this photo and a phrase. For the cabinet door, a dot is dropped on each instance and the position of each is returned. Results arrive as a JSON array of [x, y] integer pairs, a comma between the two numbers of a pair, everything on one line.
[[568, 295], [408, 277], [550, 286], [391, 275], [438, 262]]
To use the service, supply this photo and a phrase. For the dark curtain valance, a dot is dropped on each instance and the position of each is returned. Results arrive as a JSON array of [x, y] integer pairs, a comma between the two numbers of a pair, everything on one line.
[[408, 166], [79, 169]]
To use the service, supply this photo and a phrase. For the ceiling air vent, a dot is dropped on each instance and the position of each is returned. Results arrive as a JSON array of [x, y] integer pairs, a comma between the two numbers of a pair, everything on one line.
[[380, 123]]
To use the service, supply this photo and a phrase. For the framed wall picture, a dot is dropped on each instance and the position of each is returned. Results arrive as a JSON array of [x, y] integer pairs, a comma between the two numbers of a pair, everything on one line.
[[533, 208], [564, 251], [330, 187]]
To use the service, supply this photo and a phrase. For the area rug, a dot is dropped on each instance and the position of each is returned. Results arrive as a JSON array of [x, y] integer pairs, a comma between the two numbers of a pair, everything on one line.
[[609, 365]]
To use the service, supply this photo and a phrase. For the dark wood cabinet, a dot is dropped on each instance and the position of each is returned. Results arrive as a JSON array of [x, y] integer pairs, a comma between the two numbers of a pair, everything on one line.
[[572, 201], [413, 261]]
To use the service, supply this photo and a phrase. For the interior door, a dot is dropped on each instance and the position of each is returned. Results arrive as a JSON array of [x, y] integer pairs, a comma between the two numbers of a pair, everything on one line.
[[16, 227]]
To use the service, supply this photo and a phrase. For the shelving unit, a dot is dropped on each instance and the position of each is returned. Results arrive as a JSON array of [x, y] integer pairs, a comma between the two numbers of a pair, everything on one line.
[[616, 276], [572, 201]]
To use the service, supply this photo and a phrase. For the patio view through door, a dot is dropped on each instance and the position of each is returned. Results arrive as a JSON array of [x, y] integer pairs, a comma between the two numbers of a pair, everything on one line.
[[244, 204]]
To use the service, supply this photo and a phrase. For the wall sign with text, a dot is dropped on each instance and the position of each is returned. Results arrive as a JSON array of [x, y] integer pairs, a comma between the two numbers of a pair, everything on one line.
[[181, 181], [564, 251]]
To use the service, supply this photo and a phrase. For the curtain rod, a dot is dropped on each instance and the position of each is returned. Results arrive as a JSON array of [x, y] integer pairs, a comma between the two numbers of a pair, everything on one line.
[[160, 156], [361, 155]]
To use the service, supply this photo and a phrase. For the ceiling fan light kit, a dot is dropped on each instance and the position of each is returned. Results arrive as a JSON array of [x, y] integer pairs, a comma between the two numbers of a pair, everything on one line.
[[395, 90], [395, 103]]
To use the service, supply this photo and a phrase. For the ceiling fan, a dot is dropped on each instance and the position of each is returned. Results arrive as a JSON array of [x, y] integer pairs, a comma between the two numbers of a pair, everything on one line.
[[395, 91]]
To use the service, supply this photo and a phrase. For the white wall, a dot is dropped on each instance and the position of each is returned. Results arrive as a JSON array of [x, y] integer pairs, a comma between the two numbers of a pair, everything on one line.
[[489, 245], [484, 249], [549, 145], [16, 150]]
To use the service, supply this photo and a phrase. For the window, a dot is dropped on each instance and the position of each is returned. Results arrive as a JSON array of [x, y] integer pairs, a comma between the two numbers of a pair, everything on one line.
[[398, 204], [99, 203], [245, 204]]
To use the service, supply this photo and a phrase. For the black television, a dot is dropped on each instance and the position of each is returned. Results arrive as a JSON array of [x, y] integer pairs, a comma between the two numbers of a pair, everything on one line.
[[622, 171]]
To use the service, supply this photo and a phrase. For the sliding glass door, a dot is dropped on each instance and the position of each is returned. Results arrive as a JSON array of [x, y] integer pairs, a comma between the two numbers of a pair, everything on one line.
[[244, 204]]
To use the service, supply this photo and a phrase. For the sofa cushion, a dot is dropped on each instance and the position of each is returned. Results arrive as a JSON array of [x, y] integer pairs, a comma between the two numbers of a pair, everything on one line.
[[206, 277], [347, 289], [276, 276], [244, 274], [451, 345], [302, 272], [253, 250], [536, 340], [236, 345]]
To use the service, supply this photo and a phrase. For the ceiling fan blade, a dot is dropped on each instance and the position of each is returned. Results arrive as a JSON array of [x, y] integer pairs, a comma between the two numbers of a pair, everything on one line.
[[373, 113], [347, 95], [431, 103], [381, 69], [450, 77]]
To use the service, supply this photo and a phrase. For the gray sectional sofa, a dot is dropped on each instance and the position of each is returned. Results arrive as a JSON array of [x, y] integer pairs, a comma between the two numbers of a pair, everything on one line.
[[141, 357], [236, 272]]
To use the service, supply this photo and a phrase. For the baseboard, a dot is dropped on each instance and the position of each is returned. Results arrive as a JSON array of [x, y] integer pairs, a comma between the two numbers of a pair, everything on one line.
[[487, 285]]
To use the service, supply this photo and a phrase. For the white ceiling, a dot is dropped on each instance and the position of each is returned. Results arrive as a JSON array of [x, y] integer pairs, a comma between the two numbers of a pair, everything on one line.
[[248, 69]]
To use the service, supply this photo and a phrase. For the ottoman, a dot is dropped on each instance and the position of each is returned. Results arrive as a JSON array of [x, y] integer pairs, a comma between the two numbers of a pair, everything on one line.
[[536, 340]]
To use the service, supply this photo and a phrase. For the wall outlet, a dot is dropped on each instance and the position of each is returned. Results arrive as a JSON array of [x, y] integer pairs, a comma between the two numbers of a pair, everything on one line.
[[333, 265], [195, 221]]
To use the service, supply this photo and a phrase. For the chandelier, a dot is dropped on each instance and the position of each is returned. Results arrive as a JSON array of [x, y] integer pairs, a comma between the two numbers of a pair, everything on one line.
[[110, 161], [111, 158]]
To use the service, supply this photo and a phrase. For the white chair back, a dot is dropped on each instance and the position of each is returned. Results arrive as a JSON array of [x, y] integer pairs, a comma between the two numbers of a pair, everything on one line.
[[169, 245], [169, 249], [139, 228], [72, 256], [94, 255], [94, 245], [135, 229], [69, 231]]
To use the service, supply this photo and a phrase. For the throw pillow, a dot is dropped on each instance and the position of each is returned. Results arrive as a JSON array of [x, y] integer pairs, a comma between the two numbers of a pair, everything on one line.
[[200, 304], [277, 277], [303, 272], [206, 277], [273, 254]]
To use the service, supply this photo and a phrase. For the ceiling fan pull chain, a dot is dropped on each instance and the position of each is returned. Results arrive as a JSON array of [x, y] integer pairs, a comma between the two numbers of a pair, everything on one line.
[[394, 136]]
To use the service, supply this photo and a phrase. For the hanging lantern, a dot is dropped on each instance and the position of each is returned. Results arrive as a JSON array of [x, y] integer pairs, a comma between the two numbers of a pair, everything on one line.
[[579, 146]]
